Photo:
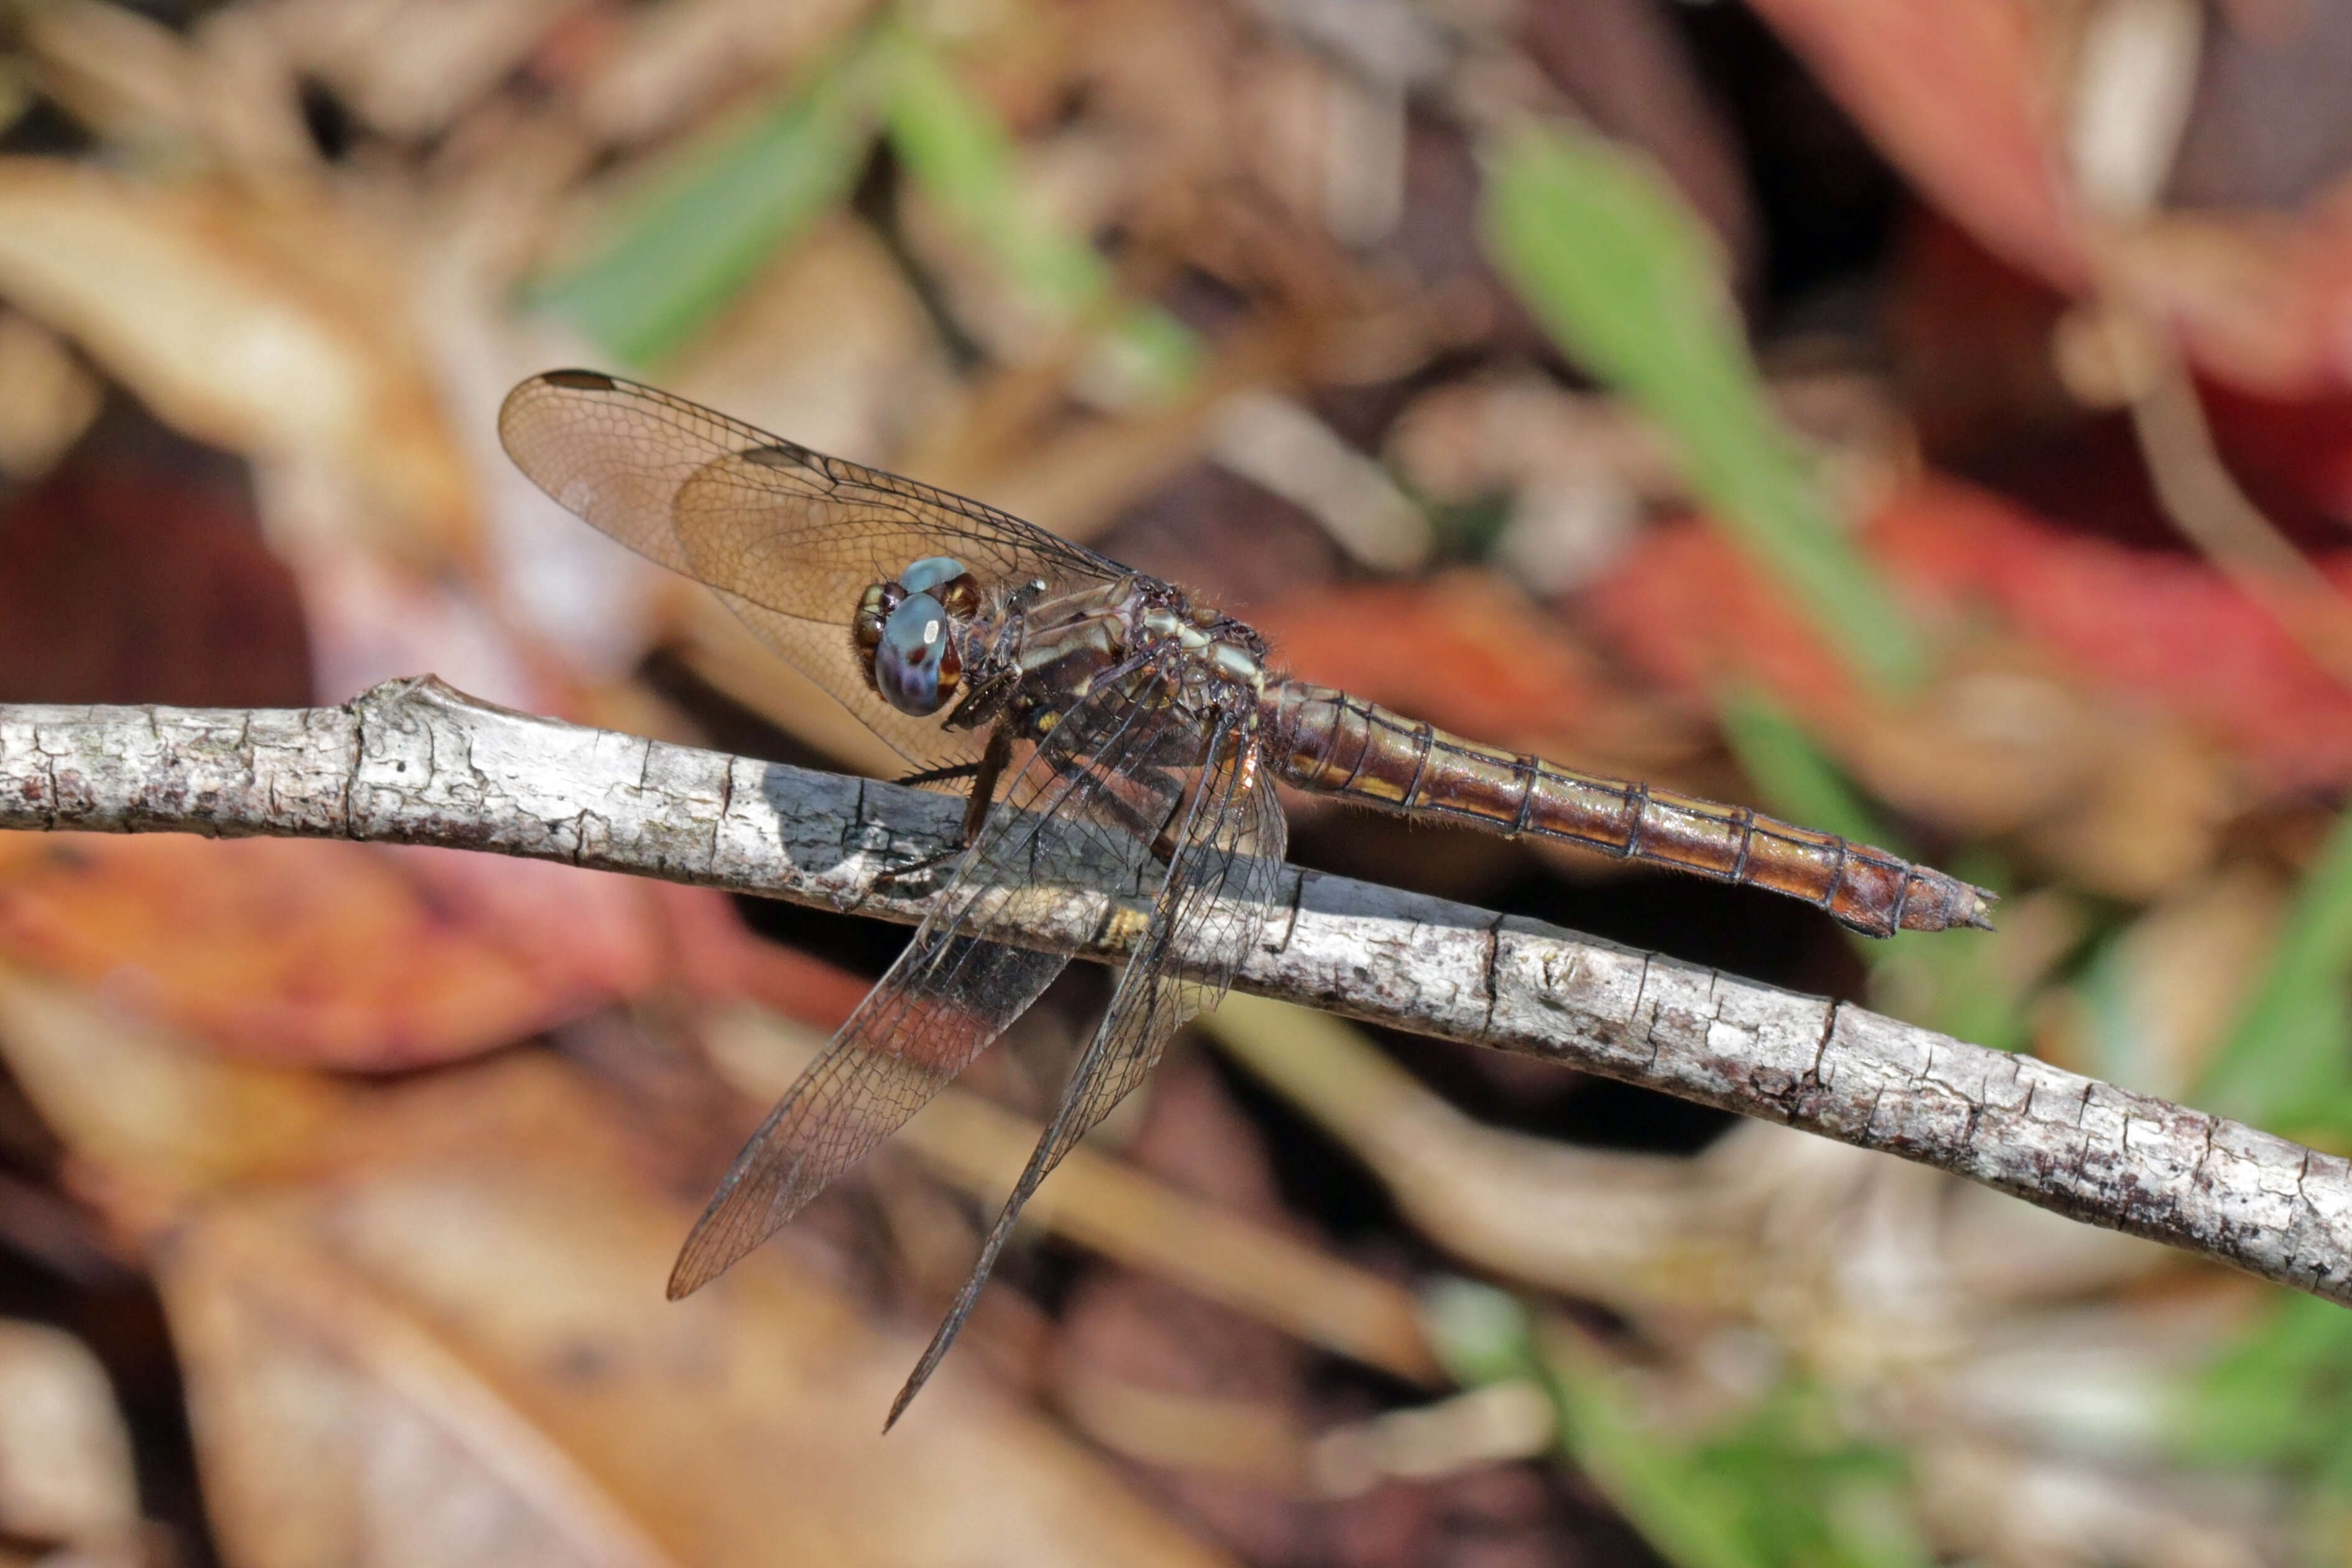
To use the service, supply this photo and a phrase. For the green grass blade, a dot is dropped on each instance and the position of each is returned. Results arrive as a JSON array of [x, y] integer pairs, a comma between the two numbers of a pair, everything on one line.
[[1624, 277], [2281, 1396], [684, 248], [1484, 1335], [963, 157], [1795, 776], [1947, 980], [1691, 1519], [2285, 1065]]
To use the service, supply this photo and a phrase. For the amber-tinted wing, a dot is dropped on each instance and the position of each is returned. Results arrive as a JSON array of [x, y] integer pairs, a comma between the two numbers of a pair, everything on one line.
[[1215, 900], [790, 538], [1073, 824]]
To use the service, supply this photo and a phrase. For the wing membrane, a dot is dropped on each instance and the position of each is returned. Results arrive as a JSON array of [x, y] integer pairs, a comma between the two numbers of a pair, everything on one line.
[[952, 991], [789, 537], [1213, 903]]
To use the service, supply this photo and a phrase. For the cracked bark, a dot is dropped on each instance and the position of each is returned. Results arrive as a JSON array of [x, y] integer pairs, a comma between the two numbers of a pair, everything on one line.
[[415, 762]]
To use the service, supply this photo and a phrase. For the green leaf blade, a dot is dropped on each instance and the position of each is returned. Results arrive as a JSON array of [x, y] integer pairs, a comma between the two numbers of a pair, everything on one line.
[[684, 249], [1626, 280]]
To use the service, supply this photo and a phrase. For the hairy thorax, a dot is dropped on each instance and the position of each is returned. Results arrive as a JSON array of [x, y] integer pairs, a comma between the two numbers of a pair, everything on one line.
[[1034, 662]]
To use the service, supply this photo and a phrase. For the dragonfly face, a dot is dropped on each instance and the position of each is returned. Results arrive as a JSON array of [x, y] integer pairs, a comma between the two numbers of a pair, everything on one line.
[[911, 634]]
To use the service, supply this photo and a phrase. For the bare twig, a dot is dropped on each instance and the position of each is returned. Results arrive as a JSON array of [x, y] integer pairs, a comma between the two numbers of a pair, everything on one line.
[[415, 762]]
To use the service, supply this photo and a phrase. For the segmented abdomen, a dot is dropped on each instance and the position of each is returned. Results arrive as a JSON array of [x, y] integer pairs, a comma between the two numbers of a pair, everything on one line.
[[1333, 744]]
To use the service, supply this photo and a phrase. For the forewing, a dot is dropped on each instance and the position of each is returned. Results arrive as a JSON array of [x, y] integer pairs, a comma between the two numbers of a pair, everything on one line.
[[790, 538], [1068, 816], [1215, 902]]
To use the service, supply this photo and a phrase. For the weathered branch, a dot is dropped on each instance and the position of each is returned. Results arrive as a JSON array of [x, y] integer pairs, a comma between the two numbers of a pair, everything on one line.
[[415, 762]]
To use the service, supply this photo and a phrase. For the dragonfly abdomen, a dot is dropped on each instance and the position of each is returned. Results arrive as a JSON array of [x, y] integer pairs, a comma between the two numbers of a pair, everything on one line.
[[1331, 743]]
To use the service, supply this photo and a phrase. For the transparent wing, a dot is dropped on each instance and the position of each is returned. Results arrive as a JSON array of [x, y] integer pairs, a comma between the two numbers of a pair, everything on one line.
[[1215, 902], [790, 538], [1071, 820]]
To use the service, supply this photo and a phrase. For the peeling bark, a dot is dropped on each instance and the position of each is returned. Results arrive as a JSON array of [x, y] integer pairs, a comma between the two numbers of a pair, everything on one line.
[[415, 762]]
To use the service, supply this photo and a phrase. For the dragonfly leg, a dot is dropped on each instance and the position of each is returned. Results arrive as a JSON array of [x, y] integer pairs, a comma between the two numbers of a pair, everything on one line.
[[1164, 843], [941, 775], [984, 776]]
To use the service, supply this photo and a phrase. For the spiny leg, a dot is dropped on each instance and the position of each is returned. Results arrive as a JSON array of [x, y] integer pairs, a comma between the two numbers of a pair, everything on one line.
[[985, 774], [1164, 843], [939, 775]]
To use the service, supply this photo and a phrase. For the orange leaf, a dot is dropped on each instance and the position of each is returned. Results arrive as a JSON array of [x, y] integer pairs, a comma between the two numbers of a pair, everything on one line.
[[334, 953], [1954, 92]]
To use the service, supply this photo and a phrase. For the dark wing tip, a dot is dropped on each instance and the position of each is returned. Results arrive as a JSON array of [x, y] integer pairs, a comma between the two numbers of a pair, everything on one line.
[[577, 381], [527, 390]]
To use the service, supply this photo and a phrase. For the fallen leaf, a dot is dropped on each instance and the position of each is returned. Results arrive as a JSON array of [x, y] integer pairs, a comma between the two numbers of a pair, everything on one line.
[[1239, 1264], [271, 330], [65, 1454], [1954, 92], [1966, 96], [440, 1336], [362, 956], [2160, 627], [1474, 653], [137, 573]]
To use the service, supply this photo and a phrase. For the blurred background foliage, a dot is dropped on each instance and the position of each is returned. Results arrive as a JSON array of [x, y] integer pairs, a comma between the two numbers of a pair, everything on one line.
[[1931, 421]]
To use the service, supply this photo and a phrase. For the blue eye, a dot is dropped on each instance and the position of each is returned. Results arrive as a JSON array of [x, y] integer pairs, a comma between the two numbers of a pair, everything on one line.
[[915, 665], [927, 574]]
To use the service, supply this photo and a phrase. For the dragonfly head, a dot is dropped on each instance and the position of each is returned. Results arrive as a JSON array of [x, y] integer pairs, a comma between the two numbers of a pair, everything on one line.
[[908, 632]]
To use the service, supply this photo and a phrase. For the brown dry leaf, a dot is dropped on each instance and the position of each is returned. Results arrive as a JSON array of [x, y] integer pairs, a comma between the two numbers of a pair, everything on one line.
[[338, 1427], [339, 954], [148, 1118], [136, 573], [277, 329], [1954, 91], [220, 92], [441, 1336], [2150, 816], [1634, 1230], [2066, 725], [674, 61], [65, 1454], [1469, 651], [1077, 481], [1767, 1223], [122, 73], [1226, 1257], [2123, 801], [410, 66], [2257, 298], [46, 398]]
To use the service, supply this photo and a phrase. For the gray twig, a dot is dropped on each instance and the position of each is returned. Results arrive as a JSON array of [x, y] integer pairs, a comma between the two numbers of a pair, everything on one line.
[[415, 762]]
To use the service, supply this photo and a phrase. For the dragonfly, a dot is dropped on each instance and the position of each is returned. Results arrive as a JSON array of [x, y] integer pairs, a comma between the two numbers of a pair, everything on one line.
[[1078, 702]]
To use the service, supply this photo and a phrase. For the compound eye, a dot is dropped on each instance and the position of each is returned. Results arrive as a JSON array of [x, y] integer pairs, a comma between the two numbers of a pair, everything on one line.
[[945, 579], [874, 607], [916, 664], [926, 575]]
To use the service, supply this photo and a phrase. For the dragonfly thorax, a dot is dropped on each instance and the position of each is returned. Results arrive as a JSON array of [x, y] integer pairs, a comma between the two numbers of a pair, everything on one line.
[[908, 635]]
